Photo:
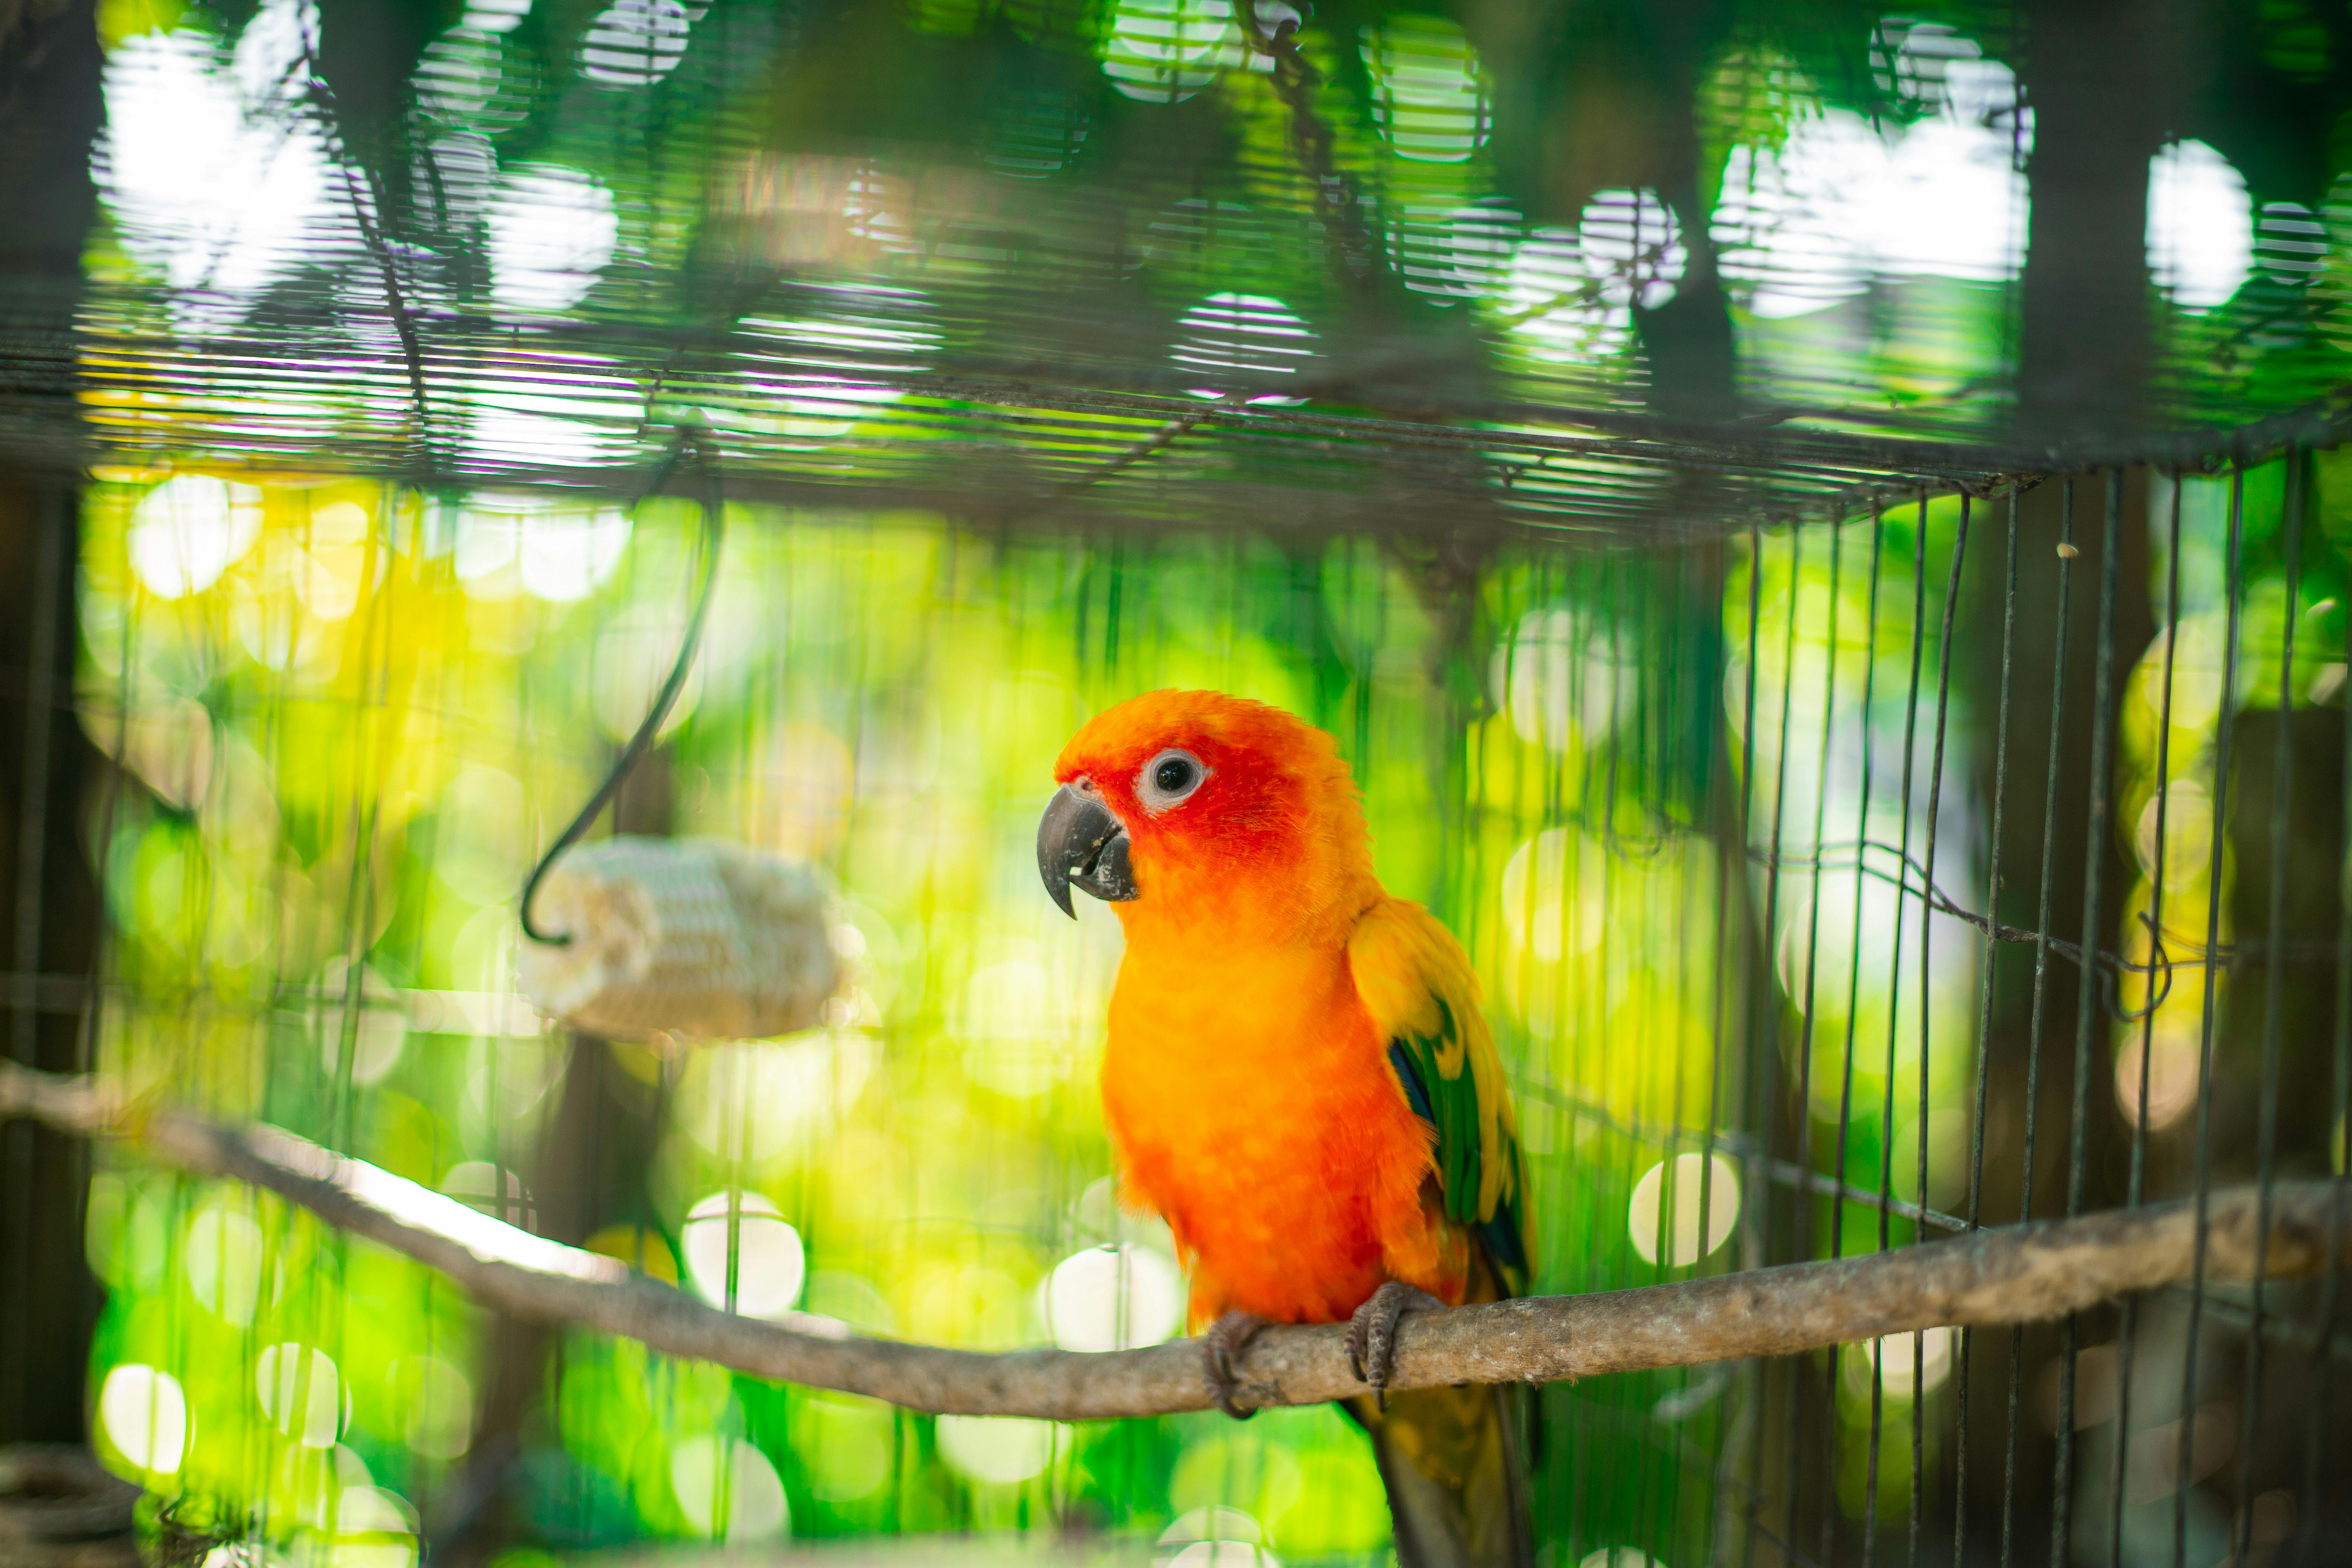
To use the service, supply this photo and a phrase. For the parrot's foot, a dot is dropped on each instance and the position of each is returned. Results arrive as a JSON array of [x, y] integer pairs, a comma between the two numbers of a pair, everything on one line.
[[1220, 1348], [1371, 1333]]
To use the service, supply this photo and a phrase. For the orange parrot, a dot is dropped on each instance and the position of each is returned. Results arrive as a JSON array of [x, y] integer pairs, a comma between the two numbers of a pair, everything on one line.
[[1298, 1079]]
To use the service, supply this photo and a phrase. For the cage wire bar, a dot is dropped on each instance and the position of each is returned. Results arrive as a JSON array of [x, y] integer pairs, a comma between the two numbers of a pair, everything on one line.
[[1886, 1205], [1875, 1443]]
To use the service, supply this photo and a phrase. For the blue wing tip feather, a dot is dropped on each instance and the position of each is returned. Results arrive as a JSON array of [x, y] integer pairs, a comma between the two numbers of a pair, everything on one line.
[[1409, 1075]]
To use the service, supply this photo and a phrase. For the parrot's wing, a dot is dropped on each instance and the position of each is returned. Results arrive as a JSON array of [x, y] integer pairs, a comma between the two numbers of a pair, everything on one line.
[[1416, 982]]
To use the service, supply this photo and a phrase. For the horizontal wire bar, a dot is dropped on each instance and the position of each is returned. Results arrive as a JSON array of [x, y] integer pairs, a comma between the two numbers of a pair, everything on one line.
[[1786, 1172]]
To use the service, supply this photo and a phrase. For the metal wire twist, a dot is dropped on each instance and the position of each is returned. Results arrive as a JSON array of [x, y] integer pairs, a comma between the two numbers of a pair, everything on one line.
[[692, 439]]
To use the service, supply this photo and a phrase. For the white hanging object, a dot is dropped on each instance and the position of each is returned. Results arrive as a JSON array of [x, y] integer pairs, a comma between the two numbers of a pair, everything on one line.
[[692, 939]]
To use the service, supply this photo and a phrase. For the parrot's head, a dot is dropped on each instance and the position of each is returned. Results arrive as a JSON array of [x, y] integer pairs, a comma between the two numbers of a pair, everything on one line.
[[1194, 807]]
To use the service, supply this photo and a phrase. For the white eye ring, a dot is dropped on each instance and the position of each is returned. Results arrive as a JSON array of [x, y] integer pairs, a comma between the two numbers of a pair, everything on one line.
[[1168, 779]]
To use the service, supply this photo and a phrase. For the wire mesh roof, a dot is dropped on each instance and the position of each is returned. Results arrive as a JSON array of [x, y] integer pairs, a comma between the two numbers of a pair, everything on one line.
[[1150, 260]]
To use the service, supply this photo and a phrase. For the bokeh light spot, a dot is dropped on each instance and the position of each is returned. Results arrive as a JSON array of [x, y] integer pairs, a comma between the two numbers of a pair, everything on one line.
[[1164, 51], [847, 1444], [300, 1392], [1018, 1023], [438, 1402], [144, 1413], [189, 530], [996, 1450], [1892, 1359], [1253, 1471], [635, 43], [2170, 1053], [1222, 1555], [769, 1260], [204, 186], [1111, 1297], [551, 233], [1619, 1557], [1427, 96], [2201, 226], [374, 1529], [752, 1099], [1698, 1179], [224, 1261], [1254, 333], [727, 1490]]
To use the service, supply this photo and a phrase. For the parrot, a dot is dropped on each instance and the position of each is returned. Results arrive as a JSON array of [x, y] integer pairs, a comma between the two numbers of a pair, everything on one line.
[[1297, 1078]]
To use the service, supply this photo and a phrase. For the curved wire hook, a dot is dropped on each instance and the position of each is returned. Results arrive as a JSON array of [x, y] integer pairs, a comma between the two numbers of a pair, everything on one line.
[[713, 530], [2159, 963]]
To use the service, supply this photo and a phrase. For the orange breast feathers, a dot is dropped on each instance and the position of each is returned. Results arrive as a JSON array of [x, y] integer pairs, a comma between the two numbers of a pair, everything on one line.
[[1247, 1088], [1253, 1107]]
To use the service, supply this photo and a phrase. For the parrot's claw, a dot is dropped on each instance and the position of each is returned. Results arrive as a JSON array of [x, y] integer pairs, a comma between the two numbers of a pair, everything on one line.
[[1371, 1333], [1220, 1347]]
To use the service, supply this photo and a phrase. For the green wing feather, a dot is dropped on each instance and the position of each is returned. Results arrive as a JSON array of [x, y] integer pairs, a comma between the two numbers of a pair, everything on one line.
[[1417, 982]]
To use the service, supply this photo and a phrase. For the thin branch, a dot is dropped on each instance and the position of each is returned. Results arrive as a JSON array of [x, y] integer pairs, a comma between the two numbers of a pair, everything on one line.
[[2017, 1274]]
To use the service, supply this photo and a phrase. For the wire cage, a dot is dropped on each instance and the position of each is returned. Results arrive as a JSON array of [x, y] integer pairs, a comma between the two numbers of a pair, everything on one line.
[[1882, 798]]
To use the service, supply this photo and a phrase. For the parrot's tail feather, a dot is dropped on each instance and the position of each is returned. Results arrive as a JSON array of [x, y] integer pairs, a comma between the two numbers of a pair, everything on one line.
[[1457, 1479]]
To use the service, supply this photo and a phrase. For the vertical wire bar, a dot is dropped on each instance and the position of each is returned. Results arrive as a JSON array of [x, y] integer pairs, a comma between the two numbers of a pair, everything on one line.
[[1613, 602], [2087, 996], [1731, 882], [2273, 1003], [2224, 711], [367, 770], [1927, 931], [1894, 994], [1984, 1018], [1654, 687], [1608, 958], [2126, 1342], [1082, 663], [1813, 914], [1578, 590], [1598, 1477], [53, 526], [376, 699], [1861, 850], [1854, 961], [1366, 574], [1574, 587], [1113, 594], [2331, 1284], [275, 1443], [1800, 1212], [2041, 986], [1741, 1398], [1657, 747], [1768, 983], [1656, 704], [1770, 969]]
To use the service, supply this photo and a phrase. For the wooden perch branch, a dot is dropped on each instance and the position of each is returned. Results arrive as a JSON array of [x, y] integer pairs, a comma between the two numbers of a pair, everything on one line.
[[2016, 1273]]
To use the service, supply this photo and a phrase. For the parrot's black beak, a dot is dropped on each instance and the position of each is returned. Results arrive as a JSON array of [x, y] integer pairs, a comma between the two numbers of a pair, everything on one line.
[[1081, 845]]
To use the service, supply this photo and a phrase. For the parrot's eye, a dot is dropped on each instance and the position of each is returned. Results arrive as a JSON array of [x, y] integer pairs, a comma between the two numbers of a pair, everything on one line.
[[1167, 778]]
